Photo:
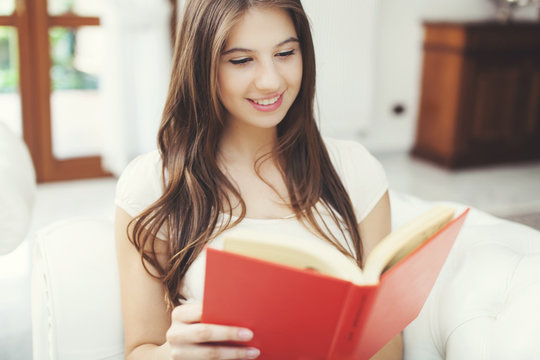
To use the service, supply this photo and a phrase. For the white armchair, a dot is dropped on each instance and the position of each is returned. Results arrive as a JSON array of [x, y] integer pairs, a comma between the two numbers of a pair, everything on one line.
[[483, 306]]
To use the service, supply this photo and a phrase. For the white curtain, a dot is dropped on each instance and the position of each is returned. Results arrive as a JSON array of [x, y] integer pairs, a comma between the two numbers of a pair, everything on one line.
[[135, 79], [344, 38]]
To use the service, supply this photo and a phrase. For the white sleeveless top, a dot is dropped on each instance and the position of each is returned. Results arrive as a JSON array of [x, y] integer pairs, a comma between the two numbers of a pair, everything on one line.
[[140, 185]]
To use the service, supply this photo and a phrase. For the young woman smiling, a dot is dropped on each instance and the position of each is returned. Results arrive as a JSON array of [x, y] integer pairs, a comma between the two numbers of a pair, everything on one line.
[[238, 148]]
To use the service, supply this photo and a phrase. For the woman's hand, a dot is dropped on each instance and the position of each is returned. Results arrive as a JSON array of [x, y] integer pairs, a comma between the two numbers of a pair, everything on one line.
[[189, 339]]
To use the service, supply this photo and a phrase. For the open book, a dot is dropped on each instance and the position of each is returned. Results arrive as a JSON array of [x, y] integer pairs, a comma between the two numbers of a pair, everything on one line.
[[306, 300], [323, 257]]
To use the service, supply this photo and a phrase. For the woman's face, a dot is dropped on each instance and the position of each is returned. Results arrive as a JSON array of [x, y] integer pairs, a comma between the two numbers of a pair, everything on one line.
[[260, 70]]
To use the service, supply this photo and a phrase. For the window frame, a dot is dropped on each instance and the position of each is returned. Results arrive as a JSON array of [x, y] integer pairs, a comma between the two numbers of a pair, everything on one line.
[[32, 22]]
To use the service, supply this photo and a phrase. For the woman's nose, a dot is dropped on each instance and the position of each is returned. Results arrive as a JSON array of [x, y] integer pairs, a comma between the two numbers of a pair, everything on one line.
[[267, 77]]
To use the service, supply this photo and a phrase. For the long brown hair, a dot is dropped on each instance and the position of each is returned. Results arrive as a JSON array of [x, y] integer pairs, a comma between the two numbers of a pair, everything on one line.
[[196, 191]]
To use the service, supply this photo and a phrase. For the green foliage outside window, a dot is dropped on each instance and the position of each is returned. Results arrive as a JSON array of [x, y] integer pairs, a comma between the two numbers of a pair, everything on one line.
[[9, 70], [64, 74]]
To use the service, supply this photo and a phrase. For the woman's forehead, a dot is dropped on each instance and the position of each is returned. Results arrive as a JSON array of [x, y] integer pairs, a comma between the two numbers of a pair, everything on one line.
[[260, 28]]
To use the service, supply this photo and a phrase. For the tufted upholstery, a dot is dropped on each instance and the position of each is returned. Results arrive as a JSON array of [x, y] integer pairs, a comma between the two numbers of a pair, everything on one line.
[[484, 304], [17, 190]]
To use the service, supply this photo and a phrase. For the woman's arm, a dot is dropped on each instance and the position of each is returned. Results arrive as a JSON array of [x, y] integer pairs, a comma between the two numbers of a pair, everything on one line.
[[151, 331], [373, 228], [145, 314]]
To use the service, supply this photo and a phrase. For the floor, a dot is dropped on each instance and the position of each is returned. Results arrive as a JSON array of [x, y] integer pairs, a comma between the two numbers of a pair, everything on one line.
[[503, 190], [507, 191]]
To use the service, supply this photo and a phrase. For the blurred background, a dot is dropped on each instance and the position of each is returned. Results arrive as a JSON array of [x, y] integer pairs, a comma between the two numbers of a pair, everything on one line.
[[445, 93]]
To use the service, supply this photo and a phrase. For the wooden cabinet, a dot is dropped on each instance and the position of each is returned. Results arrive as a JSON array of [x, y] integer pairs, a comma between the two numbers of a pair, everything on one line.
[[480, 94]]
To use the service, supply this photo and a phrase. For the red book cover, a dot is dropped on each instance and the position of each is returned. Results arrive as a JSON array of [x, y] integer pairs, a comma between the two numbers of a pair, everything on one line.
[[300, 314]]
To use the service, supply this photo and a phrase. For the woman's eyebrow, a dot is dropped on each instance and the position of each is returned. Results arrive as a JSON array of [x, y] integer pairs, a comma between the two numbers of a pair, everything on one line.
[[291, 39]]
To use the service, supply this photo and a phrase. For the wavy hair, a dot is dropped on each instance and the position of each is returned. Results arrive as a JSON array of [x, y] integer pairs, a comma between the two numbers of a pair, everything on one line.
[[196, 191]]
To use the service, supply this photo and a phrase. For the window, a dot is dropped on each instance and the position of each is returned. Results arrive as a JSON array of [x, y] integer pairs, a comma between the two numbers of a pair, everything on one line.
[[25, 81], [50, 62]]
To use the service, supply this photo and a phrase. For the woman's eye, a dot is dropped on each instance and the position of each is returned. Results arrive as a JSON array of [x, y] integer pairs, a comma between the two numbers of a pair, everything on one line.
[[285, 53], [240, 61]]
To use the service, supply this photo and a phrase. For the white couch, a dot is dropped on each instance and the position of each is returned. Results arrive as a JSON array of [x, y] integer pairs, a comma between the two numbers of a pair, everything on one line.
[[485, 304]]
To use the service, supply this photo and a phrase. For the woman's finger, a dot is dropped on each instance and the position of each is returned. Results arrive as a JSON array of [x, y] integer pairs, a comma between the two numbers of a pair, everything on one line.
[[187, 313], [204, 333], [214, 352]]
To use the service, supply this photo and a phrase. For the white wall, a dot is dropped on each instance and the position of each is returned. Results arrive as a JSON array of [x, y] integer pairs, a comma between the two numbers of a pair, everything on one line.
[[344, 37]]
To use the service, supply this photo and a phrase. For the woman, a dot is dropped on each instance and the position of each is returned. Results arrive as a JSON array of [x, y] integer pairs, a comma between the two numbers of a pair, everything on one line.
[[238, 147]]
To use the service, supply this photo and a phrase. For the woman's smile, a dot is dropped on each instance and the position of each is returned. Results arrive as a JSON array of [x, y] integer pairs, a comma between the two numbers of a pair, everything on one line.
[[267, 104]]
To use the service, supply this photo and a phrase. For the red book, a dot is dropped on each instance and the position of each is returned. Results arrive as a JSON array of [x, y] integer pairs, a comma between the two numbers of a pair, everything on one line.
[[299, 314]]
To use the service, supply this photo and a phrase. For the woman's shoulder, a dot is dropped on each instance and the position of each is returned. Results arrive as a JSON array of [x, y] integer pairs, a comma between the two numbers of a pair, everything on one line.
[[347, 153], [140, 184], [342, 145], [360, 172]]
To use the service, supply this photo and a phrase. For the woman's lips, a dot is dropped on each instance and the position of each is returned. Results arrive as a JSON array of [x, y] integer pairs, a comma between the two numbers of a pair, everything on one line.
[[268, 104]]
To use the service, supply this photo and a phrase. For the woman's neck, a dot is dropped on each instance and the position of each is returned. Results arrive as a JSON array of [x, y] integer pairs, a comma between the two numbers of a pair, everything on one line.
[[246, 144]]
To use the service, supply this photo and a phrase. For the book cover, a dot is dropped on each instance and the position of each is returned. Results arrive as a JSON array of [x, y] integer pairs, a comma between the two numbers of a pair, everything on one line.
[[300, 314]]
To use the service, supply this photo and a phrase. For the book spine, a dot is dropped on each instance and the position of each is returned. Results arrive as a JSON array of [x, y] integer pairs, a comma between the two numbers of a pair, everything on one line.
[[352, 321]]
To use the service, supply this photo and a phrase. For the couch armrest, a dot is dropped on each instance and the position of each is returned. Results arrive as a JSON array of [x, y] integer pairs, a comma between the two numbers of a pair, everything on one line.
[[76, 311], [483, 303]]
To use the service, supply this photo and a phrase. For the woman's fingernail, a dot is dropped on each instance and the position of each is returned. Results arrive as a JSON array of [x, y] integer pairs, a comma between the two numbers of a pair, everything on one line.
[[245, 334], [252, 353]]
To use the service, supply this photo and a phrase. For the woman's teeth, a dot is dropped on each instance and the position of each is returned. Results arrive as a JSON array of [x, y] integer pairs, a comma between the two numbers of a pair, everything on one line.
[[267, 101]]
